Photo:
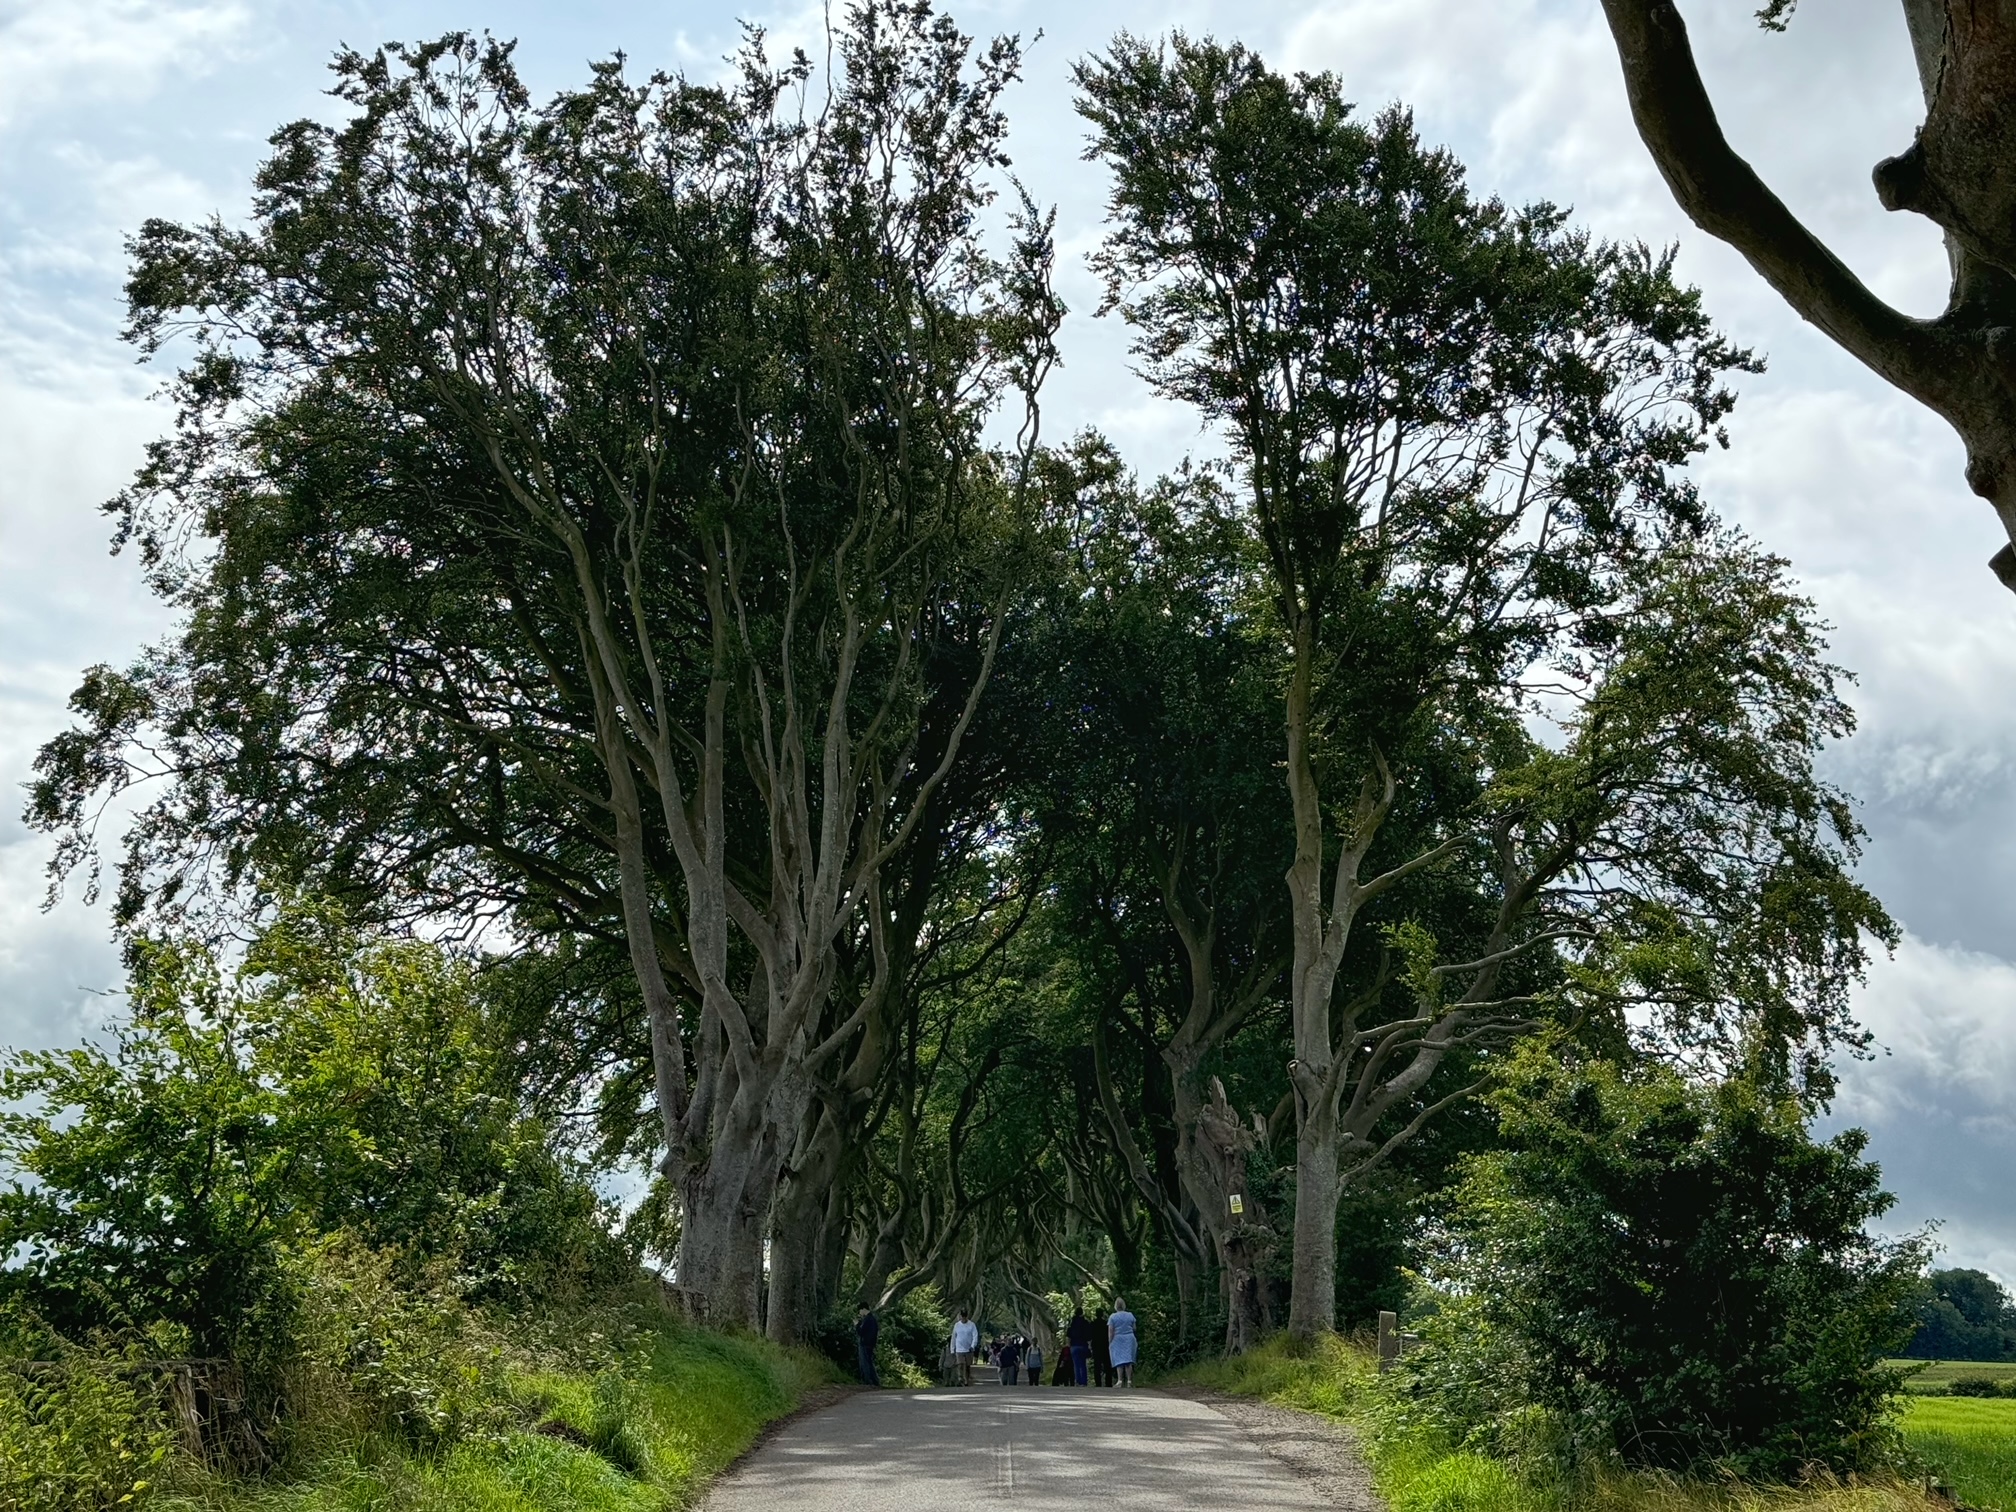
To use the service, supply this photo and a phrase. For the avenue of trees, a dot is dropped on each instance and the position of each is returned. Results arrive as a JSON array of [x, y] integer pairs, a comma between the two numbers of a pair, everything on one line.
[[621, 540]]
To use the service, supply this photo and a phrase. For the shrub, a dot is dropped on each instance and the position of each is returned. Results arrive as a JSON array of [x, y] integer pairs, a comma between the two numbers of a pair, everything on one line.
[[159, 1184], [1679, 1274], [1974, 1386], [914, 1329], [411, 1131], [77, 1436], [333, 1084], [382, 1348]]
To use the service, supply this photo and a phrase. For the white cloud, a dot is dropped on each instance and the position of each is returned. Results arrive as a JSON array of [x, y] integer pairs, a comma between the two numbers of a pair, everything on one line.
[[1945, 1020], [70, 51], [1939, 1100], [64, 602]]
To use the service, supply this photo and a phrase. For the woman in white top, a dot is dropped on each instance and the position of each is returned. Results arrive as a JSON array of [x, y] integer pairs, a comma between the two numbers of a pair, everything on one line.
[[1121, 1341]]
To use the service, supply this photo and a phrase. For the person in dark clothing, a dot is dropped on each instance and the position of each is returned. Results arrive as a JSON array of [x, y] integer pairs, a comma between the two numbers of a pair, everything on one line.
[[1102, 1354], [867, 1329], [1011, 1359], [1061, 1376], [1079, 1333]]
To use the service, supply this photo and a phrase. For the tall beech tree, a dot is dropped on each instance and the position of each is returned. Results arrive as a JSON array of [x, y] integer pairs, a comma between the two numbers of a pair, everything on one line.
[[581, 514], [1159, 815], [1959, 171], [1459, 432]]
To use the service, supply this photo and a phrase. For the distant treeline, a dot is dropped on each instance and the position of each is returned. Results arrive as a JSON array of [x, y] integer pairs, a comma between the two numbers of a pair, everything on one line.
[[1964, 1315]]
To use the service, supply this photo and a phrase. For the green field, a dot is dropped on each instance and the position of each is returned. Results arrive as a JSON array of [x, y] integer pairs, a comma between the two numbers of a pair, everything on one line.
[[1970, 1441], [1937, 1373]]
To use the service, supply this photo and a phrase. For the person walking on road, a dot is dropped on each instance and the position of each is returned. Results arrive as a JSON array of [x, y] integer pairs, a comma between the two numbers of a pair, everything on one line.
[[1011, 1358], [1122, 1342], [1102, 1358], [1032, 1357], [1079, 1332], [965, 1339], [867, 1329]]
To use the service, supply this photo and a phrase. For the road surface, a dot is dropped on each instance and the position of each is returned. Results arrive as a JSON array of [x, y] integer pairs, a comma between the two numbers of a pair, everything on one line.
[[1040, 1447]]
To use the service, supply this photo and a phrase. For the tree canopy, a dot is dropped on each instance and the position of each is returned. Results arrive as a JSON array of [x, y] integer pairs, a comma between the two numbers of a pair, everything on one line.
[[615, 543]]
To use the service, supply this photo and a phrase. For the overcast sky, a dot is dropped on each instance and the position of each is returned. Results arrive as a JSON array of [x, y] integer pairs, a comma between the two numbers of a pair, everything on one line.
[[115, 110]]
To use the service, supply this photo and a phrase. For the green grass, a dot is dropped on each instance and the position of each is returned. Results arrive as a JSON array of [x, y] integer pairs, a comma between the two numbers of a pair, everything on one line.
[[1419, 1474], [1334, 1377], [643, 1435], [1935, 1375], [1971, 1441]]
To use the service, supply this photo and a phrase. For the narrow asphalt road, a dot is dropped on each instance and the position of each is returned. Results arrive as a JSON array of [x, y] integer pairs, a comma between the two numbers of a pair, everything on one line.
[[924, 1451]]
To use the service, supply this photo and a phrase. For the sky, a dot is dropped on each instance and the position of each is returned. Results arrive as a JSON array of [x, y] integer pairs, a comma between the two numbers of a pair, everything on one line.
[[113, 111]]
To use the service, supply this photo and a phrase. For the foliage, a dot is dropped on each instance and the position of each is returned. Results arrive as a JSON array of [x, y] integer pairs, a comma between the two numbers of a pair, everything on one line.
[[586, 529], [78, 1435], [915, 1326], [605, 1406], [1974, 1386], [156, 1185], [650, 607], [1921, 1378], [414, 1135], [384, 1350], [1674, 1274], [1460, 434], [183, 1179], [1963, 1315], [1415, 1469]]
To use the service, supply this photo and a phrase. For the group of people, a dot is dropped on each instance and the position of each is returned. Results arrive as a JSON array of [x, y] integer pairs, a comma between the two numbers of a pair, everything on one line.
[[1096, 1351]]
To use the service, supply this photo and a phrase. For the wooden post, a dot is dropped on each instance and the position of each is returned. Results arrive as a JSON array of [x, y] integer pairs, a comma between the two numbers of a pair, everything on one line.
[[188, 1418], [1389, 1341]]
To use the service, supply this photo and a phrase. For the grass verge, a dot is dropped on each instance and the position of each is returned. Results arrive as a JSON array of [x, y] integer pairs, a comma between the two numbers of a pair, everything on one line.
[[1416, 1473], [630, 1412], [1972, 1443]]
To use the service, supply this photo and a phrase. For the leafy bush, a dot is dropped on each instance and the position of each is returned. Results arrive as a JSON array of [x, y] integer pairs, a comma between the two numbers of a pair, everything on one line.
[[914, 1330], [187, 1180], [1676, 1275], [160, 1185], [77, 1436], [381, 1349], [410, 1130], [1974, 1386]]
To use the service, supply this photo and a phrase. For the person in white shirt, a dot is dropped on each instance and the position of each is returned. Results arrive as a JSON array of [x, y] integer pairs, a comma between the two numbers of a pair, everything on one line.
[[965, 1339]]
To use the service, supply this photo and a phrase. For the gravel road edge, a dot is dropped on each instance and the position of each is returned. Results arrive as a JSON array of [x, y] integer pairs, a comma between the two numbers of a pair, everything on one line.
[[1319, 1449]]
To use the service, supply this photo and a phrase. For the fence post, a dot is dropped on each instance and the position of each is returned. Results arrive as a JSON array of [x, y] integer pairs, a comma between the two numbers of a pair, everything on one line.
[[1389, 1341]]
